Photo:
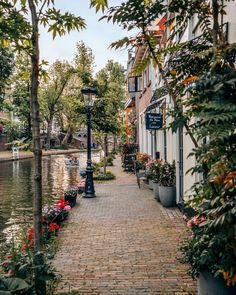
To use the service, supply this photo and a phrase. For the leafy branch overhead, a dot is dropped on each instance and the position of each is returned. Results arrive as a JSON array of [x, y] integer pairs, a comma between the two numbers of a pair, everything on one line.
[[60, 24], [99, 4], [16, 29]]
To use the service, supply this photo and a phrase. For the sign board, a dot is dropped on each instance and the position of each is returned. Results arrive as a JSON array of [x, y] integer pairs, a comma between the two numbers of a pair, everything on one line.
[[153, 121]]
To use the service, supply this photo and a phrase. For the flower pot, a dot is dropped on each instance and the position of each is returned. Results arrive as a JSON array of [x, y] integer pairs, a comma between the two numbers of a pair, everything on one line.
[[150, 184], [156, 191], [167, 195], [70, 199], [209, 285]]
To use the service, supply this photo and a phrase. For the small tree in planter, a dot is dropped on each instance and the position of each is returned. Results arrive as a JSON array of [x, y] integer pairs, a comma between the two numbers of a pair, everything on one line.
[[167, 182]]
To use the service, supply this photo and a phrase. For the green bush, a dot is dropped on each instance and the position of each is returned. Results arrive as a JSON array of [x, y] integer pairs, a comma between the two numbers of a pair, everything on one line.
[[101, 176], [110, 160]]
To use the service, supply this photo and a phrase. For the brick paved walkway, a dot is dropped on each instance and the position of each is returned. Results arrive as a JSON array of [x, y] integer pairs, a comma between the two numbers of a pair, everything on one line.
[[122, 242]]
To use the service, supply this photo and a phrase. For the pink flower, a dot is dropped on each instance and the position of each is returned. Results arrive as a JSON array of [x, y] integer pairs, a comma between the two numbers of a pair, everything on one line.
[[190, 223], [67, 208], [10, 273]]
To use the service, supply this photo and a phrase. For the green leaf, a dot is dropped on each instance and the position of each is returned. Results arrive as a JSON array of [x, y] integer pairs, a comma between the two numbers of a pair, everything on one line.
[[13, 285]]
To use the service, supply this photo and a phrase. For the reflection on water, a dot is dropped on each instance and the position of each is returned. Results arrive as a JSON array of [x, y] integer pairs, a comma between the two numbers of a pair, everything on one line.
[[16, 184]]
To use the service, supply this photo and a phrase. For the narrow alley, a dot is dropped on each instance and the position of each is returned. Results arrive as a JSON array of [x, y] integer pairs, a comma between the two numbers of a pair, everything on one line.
[[122, 242]]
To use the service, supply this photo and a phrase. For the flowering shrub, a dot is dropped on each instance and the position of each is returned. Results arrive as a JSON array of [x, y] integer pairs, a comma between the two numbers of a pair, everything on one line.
[[167, 174], [153, 169], [149, 169], [208, 248], [70, 196], [55, 212], [212, 244], [141, 160], [19, 264]]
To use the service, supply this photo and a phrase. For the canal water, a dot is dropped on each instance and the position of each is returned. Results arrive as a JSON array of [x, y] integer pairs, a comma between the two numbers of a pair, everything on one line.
[[16, 184]]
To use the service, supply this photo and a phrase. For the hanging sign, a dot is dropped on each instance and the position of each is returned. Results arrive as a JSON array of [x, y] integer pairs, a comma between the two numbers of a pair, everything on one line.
[[153, 121]]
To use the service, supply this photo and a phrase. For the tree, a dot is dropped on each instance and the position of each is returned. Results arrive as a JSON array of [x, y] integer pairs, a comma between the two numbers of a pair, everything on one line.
[[110, 84], [51, 93], [73, 110], [6, 68], [208, 113], [25, 36], [20, 95], [84, 62]]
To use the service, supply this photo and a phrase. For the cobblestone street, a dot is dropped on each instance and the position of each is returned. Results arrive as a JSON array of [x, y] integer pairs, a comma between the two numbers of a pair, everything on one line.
[[122, 242]]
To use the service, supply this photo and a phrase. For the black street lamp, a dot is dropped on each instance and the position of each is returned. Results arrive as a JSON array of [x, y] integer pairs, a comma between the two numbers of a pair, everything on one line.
[[89, 94]]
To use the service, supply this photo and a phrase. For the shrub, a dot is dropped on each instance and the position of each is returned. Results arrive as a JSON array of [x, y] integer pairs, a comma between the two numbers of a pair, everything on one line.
[[167, 174], [101, 176], [141, 160]]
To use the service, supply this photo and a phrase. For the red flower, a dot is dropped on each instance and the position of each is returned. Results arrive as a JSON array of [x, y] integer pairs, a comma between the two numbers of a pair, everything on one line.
[[31, 233], [24, 247], [61, 204], [53, 227]]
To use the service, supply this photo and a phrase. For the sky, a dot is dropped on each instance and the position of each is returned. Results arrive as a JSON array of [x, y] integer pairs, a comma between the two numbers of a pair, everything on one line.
[[98, 36]]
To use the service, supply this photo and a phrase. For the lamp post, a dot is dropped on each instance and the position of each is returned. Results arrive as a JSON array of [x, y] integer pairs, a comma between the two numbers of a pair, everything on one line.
[[89, 94]]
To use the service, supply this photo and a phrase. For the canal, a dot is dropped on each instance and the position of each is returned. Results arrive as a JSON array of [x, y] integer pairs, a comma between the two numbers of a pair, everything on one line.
[[16, 184]]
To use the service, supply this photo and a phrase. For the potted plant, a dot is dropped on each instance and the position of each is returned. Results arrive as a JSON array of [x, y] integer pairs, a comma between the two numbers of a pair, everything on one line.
[[156, 177], [149, 173], [167, 179], [210, 252], [70, 196], [141, 161]]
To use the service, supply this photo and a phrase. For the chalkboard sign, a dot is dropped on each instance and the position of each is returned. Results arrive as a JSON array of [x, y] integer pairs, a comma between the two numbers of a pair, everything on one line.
[[153, 121]]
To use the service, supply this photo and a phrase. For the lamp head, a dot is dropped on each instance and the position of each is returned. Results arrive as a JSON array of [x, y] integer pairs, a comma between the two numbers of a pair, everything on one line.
[[89, 94]]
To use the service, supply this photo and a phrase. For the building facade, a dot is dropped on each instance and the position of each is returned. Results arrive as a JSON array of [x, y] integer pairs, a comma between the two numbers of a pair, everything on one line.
[[153, 98]]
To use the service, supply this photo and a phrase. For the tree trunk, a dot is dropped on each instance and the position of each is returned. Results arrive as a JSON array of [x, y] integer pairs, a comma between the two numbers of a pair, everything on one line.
[[49, 132], [67, 136], [35, 119], [114, 142], [105, 153]]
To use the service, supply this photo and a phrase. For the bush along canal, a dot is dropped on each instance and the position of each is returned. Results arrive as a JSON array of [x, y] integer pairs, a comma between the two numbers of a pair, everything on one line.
[[19, 274]]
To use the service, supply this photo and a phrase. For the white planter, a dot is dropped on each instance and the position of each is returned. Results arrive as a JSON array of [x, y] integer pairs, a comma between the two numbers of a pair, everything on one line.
[[167, 195], [156, 191], [209, 285], [150, 184]]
